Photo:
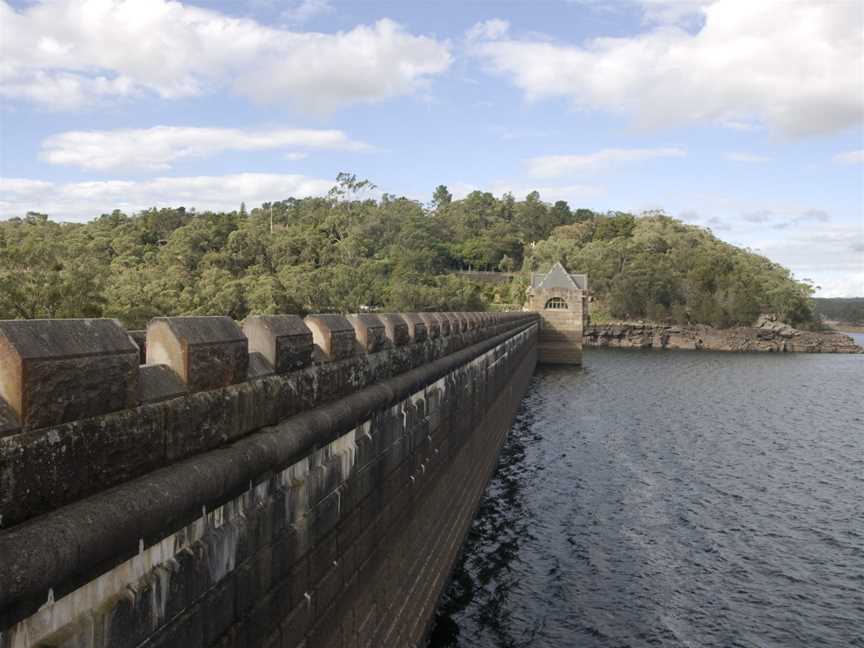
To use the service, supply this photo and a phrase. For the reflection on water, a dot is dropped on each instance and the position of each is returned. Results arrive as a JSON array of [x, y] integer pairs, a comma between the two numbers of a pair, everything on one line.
[[672, 499]]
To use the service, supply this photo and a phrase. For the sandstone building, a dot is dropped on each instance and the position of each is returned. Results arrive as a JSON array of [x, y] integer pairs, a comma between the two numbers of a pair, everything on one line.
[[561, 299]]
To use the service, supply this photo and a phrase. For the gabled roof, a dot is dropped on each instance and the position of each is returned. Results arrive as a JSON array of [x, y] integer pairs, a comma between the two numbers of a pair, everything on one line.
[[557, 277]]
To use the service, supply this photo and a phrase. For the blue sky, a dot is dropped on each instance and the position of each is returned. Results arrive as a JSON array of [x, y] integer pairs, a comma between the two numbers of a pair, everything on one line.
[[744, 117]]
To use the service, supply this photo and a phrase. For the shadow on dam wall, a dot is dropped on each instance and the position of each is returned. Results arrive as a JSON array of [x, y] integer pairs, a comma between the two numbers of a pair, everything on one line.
[[291, 483]]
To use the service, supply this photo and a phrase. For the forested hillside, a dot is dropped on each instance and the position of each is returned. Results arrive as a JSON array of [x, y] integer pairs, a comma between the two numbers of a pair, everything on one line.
[[849, 311], [347, 252]]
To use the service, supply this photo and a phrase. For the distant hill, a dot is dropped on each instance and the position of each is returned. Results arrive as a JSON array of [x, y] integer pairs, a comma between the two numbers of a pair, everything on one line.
[[348, 252], [849, 310]]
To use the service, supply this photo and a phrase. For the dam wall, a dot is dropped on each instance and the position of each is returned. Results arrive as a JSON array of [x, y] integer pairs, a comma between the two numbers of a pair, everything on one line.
[[281, 484]]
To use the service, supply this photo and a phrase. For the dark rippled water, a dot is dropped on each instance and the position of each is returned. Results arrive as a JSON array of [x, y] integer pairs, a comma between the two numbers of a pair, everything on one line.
[[673, 499]]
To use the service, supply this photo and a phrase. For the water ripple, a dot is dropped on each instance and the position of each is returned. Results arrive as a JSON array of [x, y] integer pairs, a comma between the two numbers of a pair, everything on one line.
[[672, 499]]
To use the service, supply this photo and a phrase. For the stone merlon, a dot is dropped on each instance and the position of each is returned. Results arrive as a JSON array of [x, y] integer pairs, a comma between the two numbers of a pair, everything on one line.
[[53, 371]]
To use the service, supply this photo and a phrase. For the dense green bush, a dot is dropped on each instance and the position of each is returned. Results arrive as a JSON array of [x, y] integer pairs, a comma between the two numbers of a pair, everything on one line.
[[347, 252]]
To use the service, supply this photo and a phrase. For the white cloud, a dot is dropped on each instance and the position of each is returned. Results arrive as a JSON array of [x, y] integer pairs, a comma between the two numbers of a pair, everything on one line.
[[674, 12], [850, 157], [786, 217], [841, 285], [794, 66], [759, 216], [488, 29], [306, 10], [550, 166], [826, 253], [64, 54], [83, 201], [158, 147], [718, 224], [664, 12], [746, 157]]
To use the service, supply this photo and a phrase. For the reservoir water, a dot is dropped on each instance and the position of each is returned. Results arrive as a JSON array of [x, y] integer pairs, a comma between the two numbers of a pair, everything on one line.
[[672, 499]]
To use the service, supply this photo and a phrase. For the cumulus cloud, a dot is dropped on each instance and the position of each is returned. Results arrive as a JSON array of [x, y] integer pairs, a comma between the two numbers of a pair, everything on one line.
[[793, 66], [550, 166], [718, 224], [825, 254], [842, 285], [850, 157], [83, 201], [758, 216], [487, 29], [64, 54], [674, 12], [814, 216], [160, 146], [306, 10], [783, 218]]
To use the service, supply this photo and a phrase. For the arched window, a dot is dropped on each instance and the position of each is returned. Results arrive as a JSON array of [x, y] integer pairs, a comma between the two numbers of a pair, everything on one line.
[[556, 303]]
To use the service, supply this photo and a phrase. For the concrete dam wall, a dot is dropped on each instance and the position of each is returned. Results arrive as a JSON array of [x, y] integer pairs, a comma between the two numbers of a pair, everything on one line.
[[291, 483]]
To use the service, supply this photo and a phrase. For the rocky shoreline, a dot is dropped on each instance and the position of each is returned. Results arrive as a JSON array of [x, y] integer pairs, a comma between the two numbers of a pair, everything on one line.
[[767, 336]]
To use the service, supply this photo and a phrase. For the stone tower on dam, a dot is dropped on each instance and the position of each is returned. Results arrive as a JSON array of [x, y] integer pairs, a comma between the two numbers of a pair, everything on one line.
[[561, 299]]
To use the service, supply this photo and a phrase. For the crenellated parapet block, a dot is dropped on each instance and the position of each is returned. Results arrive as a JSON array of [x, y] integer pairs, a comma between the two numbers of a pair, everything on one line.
[[277, 482], [284, 481], [53, 371], [80, 413]]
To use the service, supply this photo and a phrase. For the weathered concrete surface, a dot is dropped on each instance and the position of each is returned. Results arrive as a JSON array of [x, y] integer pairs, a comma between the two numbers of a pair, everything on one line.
[[206, 352], [283, 340], [140, 339], [432, 324], [160, 382], [395, 328], [417, 330], [333, 335], [9, 422], [443, 323], [59, 464], [336, 526], [52, 371], [699, 337], [369, 331]]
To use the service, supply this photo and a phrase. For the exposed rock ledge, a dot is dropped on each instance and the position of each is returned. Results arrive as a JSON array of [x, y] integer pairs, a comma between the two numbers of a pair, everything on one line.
[[767, 336]]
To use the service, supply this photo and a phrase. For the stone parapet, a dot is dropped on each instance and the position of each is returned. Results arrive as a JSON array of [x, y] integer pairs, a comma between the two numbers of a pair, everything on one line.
[[369, 330], [324, 506], [333, 335], [432, 323], [284, 340], [395, 329], [193, 400], [206, 352], [53, 371]]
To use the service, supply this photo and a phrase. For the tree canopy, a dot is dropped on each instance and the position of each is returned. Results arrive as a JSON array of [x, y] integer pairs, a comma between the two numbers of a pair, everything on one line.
[[350, 251], [848, 310]]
